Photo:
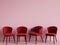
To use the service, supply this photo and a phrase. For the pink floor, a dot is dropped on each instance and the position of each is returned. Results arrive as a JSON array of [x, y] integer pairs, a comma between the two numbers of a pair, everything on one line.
[[32, 42]]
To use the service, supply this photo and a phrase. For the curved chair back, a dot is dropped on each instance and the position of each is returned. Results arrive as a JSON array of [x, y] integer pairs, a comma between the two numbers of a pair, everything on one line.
[[21, 29], [52, 29], [7, 29]]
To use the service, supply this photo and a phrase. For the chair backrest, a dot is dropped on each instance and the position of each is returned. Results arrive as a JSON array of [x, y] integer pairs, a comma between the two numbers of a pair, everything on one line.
[[7, 29], [36, 29], [21, 29], [52, 29]]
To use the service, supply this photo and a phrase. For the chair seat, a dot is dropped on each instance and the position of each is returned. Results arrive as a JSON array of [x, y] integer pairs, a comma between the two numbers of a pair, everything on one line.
[[9, 34], [50, 34], [22, 34], [35, 34]]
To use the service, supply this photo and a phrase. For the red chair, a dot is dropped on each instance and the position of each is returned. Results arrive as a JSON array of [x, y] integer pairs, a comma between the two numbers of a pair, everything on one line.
[[7, 32], [36, 31], [22, 32], [52, 31]]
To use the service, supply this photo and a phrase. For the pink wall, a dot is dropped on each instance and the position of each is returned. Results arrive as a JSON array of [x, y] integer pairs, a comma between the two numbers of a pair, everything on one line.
[[30, 13]]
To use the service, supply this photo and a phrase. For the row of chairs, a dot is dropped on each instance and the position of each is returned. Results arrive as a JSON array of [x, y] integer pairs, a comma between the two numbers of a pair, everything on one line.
[[34, 31]]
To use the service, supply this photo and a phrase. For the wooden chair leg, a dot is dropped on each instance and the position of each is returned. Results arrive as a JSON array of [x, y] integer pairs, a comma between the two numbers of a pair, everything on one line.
[[36, 40], [14, 38], [42, 39], [46, 38], [9, 38], [3, 38], [29, 37], [53, 40], [26, 39], [56, 38], [17, 39], [50, 38], [6, 40]]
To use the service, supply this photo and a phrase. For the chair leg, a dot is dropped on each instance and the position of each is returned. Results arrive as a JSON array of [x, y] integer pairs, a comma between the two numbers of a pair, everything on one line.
[[9, 38], [53, 40], [36, 40], [56, 38], [50, 38], [3, 38], [6, 40], [42, 39], [14, 38], [46, 38], [26, 39], [17, 39], [29, 37]]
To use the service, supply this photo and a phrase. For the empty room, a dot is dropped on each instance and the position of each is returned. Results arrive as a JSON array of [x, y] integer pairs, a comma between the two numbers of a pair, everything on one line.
[[29, 22]]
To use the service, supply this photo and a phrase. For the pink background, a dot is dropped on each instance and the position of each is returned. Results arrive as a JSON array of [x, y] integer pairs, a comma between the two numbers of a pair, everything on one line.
[[30, 13]]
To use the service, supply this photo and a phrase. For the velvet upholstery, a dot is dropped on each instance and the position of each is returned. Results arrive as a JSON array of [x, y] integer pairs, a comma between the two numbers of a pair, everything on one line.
[[52, 31], [7, 32], [22, 32], [36, 31]]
